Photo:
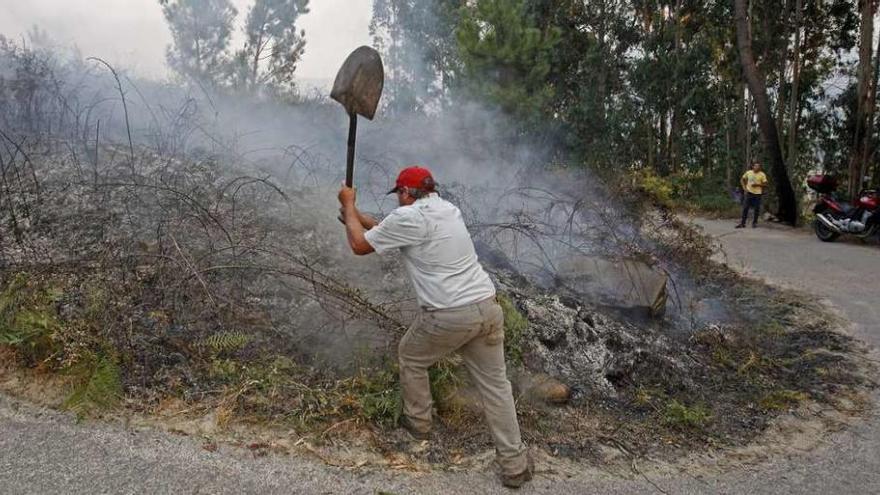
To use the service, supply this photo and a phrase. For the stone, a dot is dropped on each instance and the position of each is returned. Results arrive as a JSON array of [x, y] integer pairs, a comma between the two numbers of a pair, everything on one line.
[[541, 387]]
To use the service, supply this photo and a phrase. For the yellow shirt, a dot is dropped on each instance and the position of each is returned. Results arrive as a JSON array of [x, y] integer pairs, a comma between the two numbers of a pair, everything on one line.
[[755, 182]]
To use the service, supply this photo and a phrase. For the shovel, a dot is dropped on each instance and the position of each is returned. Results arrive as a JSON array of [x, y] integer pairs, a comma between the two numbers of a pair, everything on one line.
[[358, 87]]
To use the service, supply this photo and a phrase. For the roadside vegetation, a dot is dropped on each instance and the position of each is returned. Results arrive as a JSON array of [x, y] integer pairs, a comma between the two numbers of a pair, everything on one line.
[[686, 192], [112, 353]]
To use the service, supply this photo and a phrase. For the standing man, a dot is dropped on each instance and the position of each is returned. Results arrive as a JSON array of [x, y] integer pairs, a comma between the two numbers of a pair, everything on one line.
[[458, 312], [753, 183]]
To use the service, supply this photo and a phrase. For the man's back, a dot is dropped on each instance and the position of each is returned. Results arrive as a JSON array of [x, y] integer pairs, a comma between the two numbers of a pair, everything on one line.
[[438, 252]]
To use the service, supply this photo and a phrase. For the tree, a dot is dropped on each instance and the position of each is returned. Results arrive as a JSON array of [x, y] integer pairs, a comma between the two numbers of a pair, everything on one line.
[[795, 86], [864, 100], [202, 30], [787, 207], [588, 74], [273, 46], [506, 58], [630, 84], [200, 33], [417, 41]]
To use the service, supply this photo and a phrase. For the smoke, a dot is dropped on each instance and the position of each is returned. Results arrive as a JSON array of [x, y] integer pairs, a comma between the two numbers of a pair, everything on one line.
[[526, 207]]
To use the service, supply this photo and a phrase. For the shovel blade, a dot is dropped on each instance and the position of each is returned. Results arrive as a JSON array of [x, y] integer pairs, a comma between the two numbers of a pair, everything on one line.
[[359, 83]]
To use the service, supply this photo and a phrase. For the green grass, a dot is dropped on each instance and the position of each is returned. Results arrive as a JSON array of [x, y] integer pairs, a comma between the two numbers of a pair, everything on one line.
[[645, 396], [771, 328], [780, 400], [28, 319], [678, 415], [515, 325], [378, 396], [98, 387], [225, 342]]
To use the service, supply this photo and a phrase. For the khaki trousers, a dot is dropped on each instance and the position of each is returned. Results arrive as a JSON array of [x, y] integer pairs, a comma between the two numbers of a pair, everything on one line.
[[476, 331]]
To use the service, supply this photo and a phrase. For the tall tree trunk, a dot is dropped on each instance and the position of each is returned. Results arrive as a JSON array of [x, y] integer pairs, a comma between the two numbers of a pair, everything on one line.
[[255, 67], [747, 129], [727, 149], [868, 146], [787, 207], [783, 62], [709, 135], [663, 158], [675, 119], [864, 81], [795, 87], [739, 122], [674, 133]]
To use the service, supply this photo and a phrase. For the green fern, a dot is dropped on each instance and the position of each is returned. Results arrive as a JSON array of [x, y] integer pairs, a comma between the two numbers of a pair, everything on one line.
[[226, 342], [27, 320], [26, 326], [515, 325], [99, 388], [9, 297], [10, 334]]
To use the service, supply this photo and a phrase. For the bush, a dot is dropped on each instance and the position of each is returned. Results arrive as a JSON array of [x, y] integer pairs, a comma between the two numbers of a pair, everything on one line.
[[659, 189], [780, 400], [28, 320], [515, 325], [30, 324], [687, 190], [98, 385], [678, 415]]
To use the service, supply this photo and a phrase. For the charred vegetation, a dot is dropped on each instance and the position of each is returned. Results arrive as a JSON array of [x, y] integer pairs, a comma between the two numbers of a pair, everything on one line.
[[164, 267]]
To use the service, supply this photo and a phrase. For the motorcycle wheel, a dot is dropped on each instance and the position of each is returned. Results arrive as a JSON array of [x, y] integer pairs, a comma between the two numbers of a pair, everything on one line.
[[824, 233]]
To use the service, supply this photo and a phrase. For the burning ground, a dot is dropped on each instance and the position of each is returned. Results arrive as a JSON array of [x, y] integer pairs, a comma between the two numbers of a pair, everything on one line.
[[183, 276]]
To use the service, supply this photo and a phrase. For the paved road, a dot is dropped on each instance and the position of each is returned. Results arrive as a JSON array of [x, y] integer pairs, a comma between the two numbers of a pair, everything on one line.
[[45, 452]]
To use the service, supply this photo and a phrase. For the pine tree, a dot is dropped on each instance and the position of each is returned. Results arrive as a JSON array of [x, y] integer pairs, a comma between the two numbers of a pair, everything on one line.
[[200, 32], [273, 46], [506, 58], [417, 41]]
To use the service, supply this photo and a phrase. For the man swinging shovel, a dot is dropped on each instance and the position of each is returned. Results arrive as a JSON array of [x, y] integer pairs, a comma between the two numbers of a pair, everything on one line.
[[459, 312]]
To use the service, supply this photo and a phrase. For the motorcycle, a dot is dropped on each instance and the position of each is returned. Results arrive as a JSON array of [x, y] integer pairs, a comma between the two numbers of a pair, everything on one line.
[[835, 216]]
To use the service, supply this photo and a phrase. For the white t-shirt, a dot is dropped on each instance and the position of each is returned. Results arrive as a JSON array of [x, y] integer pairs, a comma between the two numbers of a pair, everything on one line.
[[437, 251]]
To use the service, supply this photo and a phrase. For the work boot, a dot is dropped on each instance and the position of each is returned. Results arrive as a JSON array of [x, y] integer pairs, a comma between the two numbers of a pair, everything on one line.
[[518, 480], [414, 432], [740, 226]]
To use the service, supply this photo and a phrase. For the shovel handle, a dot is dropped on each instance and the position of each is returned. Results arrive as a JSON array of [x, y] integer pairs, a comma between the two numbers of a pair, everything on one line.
[[352, 136]]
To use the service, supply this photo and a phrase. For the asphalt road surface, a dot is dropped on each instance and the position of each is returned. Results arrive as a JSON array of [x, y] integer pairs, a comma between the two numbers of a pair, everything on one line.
[[45, 452]]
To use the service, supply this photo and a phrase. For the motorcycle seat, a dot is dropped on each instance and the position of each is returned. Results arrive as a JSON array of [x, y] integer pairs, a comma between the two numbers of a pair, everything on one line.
[[845, 206]]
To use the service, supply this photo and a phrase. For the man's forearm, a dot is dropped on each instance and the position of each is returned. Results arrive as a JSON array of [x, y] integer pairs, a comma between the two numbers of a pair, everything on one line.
[[354, 229], [367, 222]]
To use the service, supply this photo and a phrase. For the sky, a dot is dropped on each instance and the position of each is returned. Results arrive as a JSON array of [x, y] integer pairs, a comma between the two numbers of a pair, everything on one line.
[[133, 33]]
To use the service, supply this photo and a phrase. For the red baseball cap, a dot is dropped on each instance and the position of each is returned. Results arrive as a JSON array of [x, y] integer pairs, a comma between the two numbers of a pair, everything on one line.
[[415, 177]]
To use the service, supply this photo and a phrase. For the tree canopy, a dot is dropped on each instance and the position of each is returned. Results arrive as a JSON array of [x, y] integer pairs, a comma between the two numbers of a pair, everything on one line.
[[265, 63], [652, 85]]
